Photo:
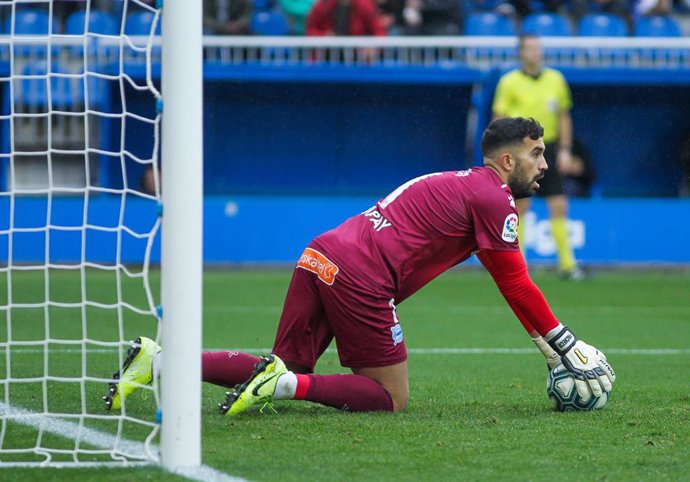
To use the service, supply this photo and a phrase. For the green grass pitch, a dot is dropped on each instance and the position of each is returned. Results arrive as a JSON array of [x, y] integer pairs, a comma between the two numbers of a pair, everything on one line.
[[472, 416]]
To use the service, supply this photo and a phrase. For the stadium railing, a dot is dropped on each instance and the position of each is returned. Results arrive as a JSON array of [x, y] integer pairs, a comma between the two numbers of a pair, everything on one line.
[[474, 52], [443, 52]]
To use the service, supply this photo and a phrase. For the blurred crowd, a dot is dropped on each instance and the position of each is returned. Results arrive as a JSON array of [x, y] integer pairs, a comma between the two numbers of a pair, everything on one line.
[[405, 17], [376, 17]]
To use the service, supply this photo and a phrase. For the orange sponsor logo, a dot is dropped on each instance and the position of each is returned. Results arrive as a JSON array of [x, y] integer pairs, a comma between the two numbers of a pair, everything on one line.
[[317, 263]]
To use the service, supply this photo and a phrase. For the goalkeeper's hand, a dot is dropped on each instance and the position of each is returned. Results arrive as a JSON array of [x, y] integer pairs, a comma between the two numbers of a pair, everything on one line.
[[593, 375], [552, 358]]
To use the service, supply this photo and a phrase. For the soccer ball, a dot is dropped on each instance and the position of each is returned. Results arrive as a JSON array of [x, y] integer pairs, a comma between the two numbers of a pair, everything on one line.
[[560, 387]]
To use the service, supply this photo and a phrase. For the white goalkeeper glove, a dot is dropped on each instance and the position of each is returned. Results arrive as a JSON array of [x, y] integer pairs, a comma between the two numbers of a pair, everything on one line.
[[593, 375], [552, 358]]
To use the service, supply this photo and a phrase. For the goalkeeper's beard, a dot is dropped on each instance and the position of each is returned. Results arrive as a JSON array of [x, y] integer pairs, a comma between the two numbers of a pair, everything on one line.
[[519, 184]]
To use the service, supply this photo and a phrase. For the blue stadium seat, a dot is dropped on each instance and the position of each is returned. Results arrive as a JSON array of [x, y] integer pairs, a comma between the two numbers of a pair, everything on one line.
[[657, 26], [602, 25], [99, 22], [31, 22], [488, 23], [271, 22], [546, 25], [139, 23], [660, 26]]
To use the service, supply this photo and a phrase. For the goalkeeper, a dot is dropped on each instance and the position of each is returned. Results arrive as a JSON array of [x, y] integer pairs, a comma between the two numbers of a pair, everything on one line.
[[348, 281]]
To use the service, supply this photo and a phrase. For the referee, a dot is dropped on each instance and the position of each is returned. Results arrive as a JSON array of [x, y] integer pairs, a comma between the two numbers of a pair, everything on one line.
[[533, 90]]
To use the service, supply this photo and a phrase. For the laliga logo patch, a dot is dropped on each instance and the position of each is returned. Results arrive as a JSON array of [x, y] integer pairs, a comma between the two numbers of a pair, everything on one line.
[[510, 228]]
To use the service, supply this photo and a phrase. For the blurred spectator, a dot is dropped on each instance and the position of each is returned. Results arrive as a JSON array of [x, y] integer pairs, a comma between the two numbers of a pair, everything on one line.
[[296, 12], [148, 181], [652, 7], [432, 17], [579, 175], [522, 8], [345, 17], [622, 8], [578, 8], [62, 9], [392, 16], [227, 17]]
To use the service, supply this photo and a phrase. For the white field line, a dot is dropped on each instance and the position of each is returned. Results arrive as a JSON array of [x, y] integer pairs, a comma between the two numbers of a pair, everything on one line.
[[479, 309], [411, 351], [496, 351], [96, 438]]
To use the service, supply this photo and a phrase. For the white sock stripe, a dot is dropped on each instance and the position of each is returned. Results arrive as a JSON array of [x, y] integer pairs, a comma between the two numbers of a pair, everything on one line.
[[286, 387]]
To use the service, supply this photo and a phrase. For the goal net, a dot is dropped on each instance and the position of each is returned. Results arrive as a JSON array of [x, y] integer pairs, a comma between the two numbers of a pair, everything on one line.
[[79, 217]]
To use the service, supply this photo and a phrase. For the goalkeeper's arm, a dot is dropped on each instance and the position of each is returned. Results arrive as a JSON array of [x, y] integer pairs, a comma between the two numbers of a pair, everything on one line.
[[509, 271]]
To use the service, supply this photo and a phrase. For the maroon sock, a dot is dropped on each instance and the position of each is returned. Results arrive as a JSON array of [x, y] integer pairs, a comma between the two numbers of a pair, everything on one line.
[[345, 392], [227, 368]]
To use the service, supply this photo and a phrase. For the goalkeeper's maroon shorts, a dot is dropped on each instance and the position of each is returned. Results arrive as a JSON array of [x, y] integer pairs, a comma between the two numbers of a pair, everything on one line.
[[321, 305]]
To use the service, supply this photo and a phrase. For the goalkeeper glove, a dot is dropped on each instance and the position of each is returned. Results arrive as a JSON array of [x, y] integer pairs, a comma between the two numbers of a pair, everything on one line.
[[593, 375], [552, 358]]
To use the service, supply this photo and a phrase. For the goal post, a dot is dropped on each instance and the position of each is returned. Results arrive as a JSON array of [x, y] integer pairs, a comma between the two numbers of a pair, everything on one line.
[[100, 180], [181, 250]]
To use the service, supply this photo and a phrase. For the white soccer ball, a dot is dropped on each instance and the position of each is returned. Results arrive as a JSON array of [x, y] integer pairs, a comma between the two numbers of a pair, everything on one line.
[[560, 387]]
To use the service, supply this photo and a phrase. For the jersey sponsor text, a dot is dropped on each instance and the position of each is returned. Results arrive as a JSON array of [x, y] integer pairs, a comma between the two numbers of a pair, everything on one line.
[[317, 263], [378, 220]]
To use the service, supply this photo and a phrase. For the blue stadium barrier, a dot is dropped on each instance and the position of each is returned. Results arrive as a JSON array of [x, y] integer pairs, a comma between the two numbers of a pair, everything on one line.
[[261, 230], [64, 91]]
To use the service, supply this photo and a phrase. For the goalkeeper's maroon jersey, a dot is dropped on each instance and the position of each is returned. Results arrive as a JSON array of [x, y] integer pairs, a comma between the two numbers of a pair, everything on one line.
[[417, 232]]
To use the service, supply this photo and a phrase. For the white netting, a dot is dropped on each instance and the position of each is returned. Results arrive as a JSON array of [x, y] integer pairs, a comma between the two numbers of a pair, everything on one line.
[[79, 214]]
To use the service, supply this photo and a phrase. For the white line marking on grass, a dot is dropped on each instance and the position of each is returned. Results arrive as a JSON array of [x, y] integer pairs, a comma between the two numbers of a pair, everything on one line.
[[477, 309], [494, 351], [527, 351], [412, 351], [104, 440]]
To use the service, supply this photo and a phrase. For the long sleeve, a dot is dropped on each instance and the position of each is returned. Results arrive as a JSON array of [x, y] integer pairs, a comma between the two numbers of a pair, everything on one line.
[[509, 271]]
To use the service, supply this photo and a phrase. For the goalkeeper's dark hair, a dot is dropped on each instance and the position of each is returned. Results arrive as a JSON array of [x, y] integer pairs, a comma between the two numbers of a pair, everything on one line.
[[508, 131]]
